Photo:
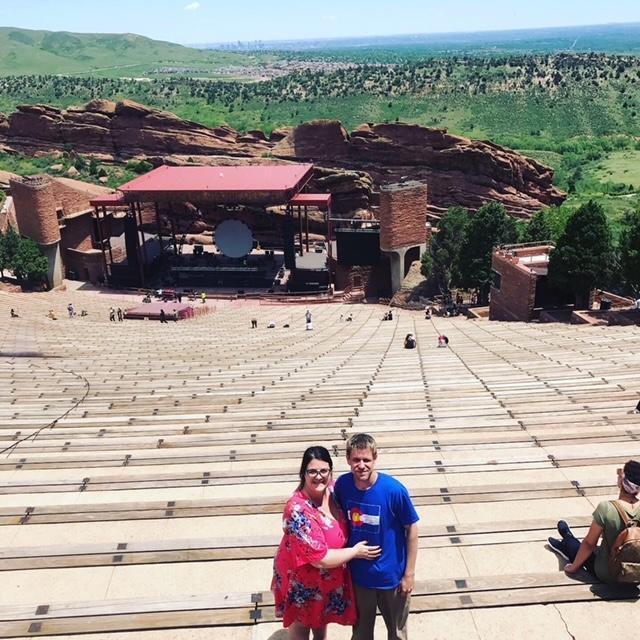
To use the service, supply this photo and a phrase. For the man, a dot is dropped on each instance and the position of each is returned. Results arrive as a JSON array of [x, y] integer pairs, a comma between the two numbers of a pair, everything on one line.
[[380, 511]]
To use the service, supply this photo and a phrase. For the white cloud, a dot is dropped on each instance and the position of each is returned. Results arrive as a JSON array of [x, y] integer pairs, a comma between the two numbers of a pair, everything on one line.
[[194, 6]]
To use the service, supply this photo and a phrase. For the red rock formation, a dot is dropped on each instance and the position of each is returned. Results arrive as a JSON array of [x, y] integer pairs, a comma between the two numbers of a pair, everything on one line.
[[457, 170]]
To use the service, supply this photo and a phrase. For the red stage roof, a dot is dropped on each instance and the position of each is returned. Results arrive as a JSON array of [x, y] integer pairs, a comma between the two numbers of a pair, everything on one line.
[[320, 200], [108, 200], [267, 184]]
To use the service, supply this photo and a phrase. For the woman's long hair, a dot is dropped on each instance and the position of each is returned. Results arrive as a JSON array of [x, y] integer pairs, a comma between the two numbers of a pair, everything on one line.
[[313, 453]]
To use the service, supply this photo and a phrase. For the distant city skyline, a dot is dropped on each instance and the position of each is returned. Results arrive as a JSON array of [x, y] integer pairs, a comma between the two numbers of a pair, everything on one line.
[[215, 21]]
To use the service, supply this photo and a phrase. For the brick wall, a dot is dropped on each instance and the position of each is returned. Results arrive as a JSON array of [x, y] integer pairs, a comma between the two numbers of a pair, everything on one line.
[[70, 200], [35, 206], [77, 233], [403, 215], [516, 297]]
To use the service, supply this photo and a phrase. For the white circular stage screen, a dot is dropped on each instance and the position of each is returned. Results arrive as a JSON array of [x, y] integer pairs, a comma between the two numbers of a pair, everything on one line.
[[234, 238]]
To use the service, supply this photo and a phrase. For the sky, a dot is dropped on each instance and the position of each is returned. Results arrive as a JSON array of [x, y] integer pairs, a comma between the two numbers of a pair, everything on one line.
[[209, 21]]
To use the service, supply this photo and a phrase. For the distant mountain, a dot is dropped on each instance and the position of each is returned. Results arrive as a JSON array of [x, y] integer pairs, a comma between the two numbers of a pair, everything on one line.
[[24, 52], [608, 38]]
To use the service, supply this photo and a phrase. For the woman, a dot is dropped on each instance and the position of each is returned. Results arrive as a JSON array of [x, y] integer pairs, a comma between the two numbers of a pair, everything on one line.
[[311, 583], [607, 522]]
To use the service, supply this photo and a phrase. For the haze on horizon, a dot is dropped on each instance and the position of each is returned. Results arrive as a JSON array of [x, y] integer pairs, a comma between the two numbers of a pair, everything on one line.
[[209, 21]]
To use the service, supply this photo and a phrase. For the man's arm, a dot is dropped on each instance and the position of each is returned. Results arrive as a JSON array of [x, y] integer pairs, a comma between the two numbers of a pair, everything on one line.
[[409, 577], [587, 547]]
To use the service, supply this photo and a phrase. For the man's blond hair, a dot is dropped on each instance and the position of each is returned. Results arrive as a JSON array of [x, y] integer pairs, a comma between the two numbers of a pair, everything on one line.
[[361, 441]]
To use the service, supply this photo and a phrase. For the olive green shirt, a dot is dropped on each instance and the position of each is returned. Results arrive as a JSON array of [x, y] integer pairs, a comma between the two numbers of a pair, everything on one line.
[[607, 516]]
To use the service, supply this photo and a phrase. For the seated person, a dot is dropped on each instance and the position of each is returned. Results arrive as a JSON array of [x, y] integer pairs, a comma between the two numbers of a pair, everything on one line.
[[271, 325], [609, 519], [443, 341], [409, 341], [14, 314]]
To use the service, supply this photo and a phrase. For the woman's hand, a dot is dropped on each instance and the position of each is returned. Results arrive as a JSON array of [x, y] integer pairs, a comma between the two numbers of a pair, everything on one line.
[[571, 567], [365, 552]]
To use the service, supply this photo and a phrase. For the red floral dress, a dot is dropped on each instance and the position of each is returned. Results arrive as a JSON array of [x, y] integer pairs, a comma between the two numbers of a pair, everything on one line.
[[303, 593]]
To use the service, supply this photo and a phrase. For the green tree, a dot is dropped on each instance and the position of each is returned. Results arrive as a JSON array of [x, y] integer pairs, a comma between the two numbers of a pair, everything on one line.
[[538, 229], [8, 249], [584, 255], [491, 226], [445, 247], [629, 248], [426, 264], [4, 263], [28, 263]]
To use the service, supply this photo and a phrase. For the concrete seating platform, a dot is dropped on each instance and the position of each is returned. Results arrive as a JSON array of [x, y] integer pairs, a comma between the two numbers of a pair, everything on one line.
[[145, 466]]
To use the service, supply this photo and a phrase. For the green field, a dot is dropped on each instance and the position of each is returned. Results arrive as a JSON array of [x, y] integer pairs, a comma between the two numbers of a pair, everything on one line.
[[619, 167]]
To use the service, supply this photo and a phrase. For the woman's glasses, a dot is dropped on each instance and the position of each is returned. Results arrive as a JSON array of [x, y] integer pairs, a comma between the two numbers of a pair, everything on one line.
[[315, 473]]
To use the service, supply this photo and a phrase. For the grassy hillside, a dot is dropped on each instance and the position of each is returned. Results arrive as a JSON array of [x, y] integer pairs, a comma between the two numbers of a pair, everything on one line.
[[23, 51]]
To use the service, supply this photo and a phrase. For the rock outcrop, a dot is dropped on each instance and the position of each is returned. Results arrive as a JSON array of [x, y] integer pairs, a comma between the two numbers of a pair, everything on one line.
[[458, 171]]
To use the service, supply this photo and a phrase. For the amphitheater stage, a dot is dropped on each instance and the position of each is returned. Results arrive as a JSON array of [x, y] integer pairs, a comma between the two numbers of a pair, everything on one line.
[[151, 311]]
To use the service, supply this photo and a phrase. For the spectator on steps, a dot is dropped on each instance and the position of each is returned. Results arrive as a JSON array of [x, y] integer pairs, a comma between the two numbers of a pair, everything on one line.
[[112, 315], [608, 521], [311, 583], [14, 314], [409, 341]]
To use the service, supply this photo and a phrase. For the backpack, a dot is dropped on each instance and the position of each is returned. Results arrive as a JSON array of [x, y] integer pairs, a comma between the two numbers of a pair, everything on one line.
[[624, 559]]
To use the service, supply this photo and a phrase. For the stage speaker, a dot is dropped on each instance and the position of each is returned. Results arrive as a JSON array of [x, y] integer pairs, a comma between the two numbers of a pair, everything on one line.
[[288, 229], [131, 243], [358, 247]]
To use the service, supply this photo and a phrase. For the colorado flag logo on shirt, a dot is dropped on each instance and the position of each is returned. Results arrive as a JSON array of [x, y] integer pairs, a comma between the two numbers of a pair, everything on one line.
[[364, 517]]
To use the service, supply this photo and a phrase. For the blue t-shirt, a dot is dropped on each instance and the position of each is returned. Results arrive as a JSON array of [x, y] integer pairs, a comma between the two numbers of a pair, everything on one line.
[[378, 515]]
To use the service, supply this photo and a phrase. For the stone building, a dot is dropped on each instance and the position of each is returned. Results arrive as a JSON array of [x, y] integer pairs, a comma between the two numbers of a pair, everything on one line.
[[403, 226], [400, 233], [519, 287], [57, 215]]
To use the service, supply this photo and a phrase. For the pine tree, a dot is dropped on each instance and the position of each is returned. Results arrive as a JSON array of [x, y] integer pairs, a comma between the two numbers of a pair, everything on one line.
[[629, 248], [445, 247], [584, 255], [491, 226], [538, 229]]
